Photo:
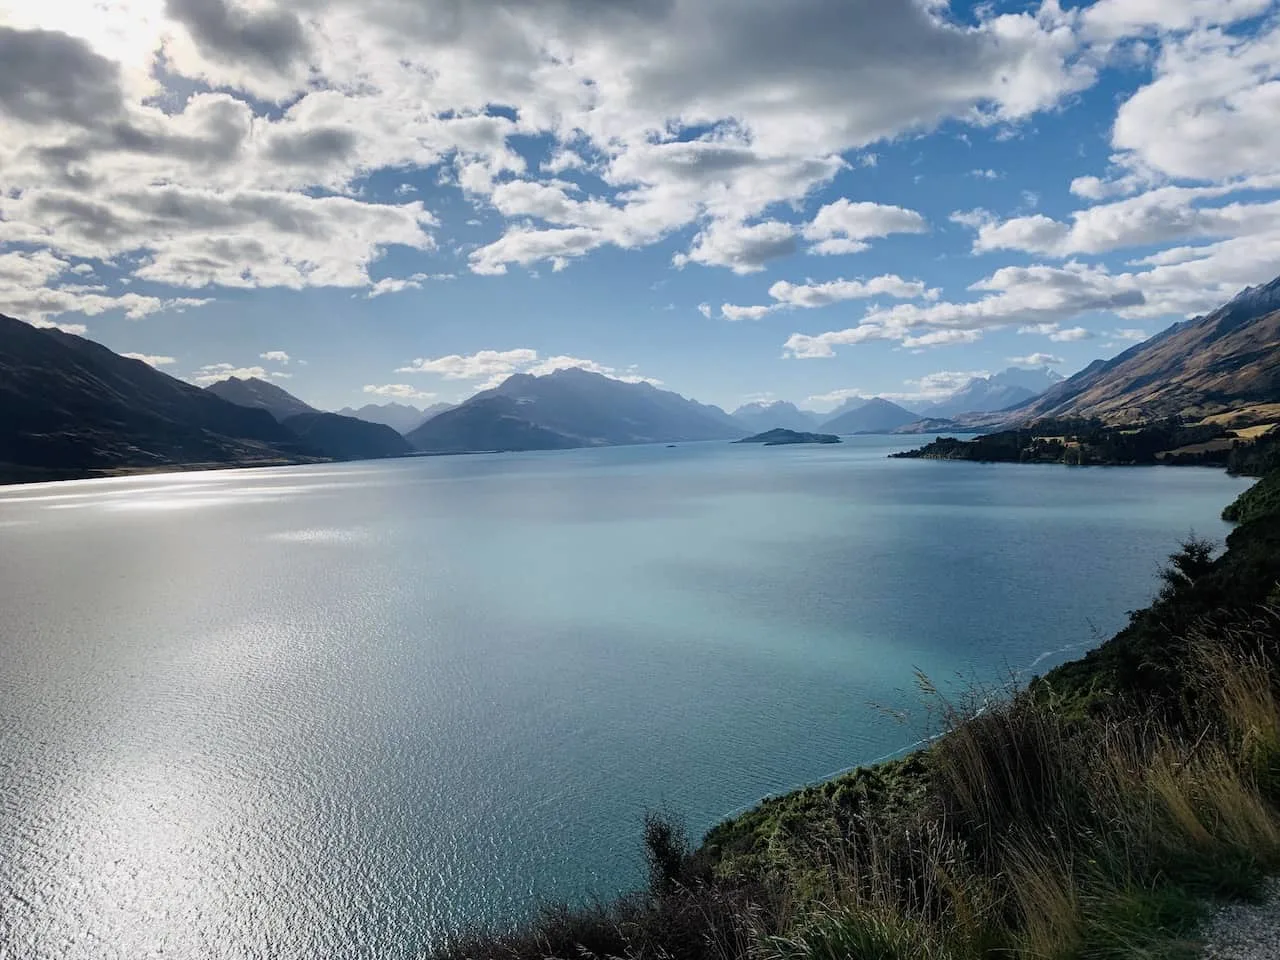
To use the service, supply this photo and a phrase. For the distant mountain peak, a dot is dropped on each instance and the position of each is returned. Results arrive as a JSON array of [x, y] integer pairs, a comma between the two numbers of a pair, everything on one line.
[[762, 415], [1251, 303], [256, 393]]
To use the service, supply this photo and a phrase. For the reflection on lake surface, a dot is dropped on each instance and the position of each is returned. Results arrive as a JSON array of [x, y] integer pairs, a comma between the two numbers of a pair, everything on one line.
[[342, 710]]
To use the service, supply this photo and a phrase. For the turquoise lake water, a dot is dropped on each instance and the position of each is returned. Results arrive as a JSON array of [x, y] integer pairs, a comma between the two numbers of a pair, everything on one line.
[[339, 711]]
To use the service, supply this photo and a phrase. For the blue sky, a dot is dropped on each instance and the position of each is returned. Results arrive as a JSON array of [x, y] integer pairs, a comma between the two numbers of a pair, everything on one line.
[[415, 198]]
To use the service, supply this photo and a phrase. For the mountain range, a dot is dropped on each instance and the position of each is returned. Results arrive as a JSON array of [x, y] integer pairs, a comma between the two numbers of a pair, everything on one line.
[[1000, 391], [571, 408], [71, 407], [400, 417], [779, 415]]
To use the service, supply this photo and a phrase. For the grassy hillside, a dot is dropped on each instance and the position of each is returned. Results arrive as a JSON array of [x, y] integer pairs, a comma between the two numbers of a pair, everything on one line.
[[1094, 813]]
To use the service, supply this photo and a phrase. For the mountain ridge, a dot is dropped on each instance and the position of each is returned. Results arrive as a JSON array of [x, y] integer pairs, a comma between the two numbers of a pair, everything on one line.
[[72, 407], [256, 392], [573, 407], [1228, 357]]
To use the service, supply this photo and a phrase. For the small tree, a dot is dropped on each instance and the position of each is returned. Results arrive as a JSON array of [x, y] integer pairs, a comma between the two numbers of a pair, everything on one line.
[[666, 849], [1188, 565]]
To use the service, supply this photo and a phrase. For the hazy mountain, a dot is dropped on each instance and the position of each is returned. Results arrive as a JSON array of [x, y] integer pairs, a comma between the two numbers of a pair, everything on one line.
[[252, 392], [491, 423], [870, 416], [1227, 359], [758, 417], [71, 406], [849, 403], [999, 391], [572, 408], [401, 417], [348, 438], [599, 409]]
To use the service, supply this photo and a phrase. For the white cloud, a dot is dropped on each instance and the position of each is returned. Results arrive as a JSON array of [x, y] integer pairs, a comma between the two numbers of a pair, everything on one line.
[[1160, 216], [1113, 19], [740, 247], [398, 391], [1026, 295], [481, 365], [274, 356], [263, 182], [150, 359], [214, 372], [1130, 333], [843, 227], [494, 366], [1036, 360], [29, 290], [733, 312], [1209, 113], [986, 174], [705, 310], [788, 295], [1071, 335], [833, 398]]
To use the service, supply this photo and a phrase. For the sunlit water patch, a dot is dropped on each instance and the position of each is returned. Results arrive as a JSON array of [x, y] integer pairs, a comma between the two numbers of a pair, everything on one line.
[[343, 710]]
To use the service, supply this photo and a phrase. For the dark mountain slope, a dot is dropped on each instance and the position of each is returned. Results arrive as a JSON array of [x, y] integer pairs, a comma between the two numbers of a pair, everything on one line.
[[600, 410], [70, 406], [486, 424], [347, 438], [571, 408], [252, 392]]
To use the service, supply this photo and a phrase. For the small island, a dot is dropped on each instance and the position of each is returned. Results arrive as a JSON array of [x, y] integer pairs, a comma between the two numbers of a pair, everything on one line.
[[778, 437]]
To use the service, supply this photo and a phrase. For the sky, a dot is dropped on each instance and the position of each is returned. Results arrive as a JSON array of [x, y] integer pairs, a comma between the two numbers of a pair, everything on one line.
[[372, 200]]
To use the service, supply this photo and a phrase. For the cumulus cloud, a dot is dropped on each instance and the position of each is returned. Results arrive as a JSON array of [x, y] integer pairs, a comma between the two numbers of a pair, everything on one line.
[[1028, 295], [1161, 216], [214, 372], [30, 289], [477, 366], [845, 227], [672, 115], [1071, 335], [810, 295], [275, 356], [1129, 333], [400, 284], [1208, 114], [833, 398], [494, 366], [740, 247], [151, 360], [1113, 19], [1036, 360], [398, 391]]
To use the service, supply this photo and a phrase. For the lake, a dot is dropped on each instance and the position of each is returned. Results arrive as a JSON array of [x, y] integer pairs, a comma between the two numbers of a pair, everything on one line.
[[342, 710]]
